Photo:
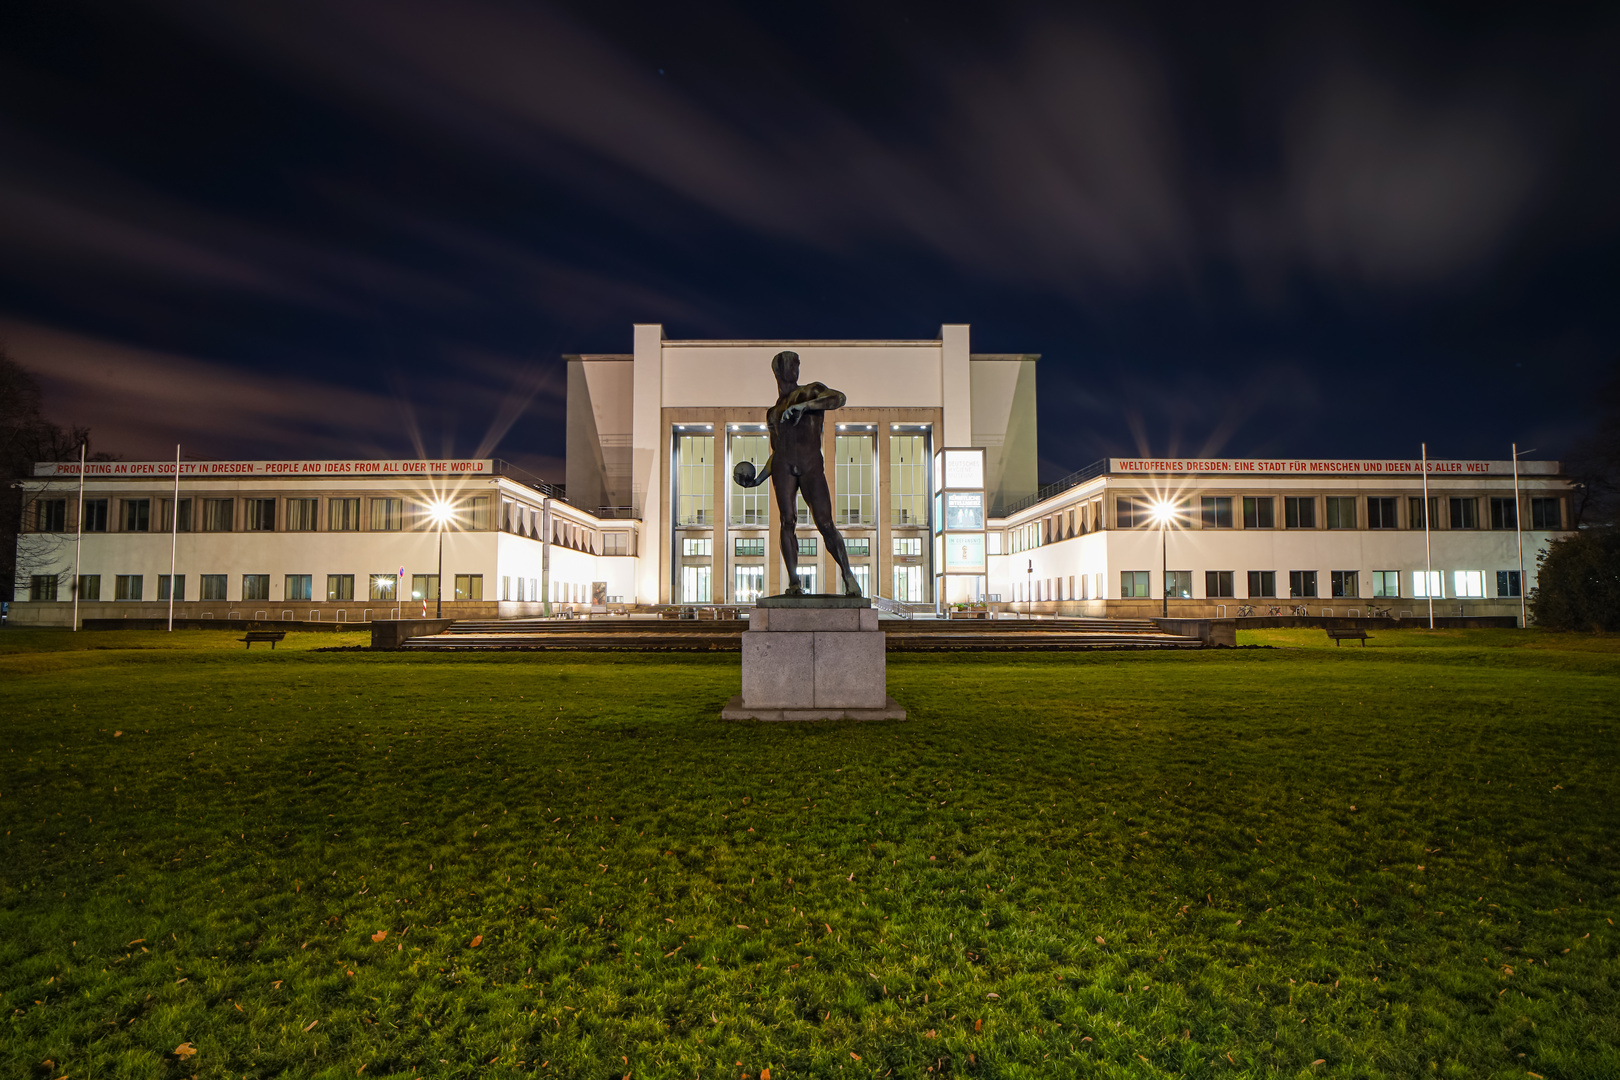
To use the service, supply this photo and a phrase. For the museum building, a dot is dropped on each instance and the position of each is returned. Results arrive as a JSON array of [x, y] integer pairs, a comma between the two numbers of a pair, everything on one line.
[[932, 469]]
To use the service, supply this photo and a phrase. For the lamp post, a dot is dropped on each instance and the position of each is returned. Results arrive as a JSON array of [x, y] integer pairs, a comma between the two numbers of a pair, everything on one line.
[[1162, 511], [441, 512], [1029, 592]]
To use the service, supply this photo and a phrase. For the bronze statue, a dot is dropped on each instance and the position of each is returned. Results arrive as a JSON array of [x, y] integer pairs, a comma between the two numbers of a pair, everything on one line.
[[795, 425]]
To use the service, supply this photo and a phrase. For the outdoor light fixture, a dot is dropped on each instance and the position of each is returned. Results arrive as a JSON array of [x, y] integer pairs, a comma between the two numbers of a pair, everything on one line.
[[441, 512], [1163, 511]]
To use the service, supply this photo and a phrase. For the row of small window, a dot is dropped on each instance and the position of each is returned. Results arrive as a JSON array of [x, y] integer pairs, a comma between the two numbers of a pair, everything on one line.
[[856, 547], [562, 592], [339, 587], [258, 515], [1340, 512], [1303, 584]]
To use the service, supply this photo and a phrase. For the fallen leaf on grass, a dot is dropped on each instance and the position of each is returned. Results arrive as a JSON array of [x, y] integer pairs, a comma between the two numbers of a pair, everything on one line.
[[1100, 941], [117, 733], [854, 1055], [184, 1050], [277, 984], [1319, 1061], [764, 1074], [380, 936], [977, 1024], [311, 1024], [478, 939]]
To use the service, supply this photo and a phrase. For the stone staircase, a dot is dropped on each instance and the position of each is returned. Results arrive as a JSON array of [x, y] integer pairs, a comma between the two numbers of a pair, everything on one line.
[[904, 635]]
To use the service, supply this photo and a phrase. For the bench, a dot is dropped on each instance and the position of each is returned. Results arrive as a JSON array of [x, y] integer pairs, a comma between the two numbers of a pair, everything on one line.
[[272, 636], [1348, 635]]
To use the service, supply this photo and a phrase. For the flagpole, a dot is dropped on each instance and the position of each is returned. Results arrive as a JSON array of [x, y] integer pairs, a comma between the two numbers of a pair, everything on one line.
[[1518, 529], [78, 540], [1428, 551], [174, 533]]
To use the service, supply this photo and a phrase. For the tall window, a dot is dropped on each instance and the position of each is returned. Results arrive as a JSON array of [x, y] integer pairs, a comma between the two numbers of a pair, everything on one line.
[[50, 515], [908, 584], [748, 583], [1426, 584], [89, 586], [908, 479], [219, 515], [1299, 512], [255, 586], [42, 587], [137, 515], [339, 586], [95, 515], [426, 586], [166, 511], [863, 577], [1469, 584], [1218, 583], [301, 515], [469, 586], [1507, 583], [855, 474], [807, 576], [1133, 584], [1544, 514], [1301, 583], [694, 480], [1177, 584], [1381, 514], [1504, 514], [1416, 517], [342, 515], [1262, 583], [1344, 583], [179, 587], [387, 515], [750, 506], [213, 586], [1341, 512], [1465, 513], [383, 586], [127, 587], [477, 510], [1216, 512], [695, 584], [259, 515], [298, 587], [1259, 513]]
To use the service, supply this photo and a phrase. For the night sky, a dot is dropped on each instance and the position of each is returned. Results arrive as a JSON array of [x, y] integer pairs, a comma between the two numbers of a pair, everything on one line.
[[372, 228]]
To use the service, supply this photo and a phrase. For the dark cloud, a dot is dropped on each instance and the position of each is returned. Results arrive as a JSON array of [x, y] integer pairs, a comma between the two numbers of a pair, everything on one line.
[[1210, 225]]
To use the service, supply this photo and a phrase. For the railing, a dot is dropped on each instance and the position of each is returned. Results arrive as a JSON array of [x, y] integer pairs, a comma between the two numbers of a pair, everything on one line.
[[559, 492], [889, 607], [1074, 479]]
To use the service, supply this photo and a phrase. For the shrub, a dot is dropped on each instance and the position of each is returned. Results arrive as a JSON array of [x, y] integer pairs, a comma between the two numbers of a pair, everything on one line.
[[1578, 583]]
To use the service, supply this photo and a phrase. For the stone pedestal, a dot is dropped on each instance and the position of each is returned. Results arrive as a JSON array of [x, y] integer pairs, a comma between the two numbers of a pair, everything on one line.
[[813, 658]]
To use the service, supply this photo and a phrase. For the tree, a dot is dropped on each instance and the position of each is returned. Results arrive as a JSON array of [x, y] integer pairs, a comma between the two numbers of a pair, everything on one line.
[[1593, 463], [25, 438], [1578, 583]]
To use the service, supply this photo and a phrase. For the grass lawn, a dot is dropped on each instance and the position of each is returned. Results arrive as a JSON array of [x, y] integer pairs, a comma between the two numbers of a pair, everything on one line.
[[1391, 861]]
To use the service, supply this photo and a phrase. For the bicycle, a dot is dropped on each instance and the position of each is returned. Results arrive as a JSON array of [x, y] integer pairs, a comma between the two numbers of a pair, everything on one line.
[[1300, 609], [1244, 611]]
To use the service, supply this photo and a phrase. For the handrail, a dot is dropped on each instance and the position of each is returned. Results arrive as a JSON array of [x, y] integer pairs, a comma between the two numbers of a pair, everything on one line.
[[1046, 491]]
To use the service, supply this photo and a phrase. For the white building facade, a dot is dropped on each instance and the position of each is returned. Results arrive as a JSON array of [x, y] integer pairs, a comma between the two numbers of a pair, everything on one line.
[[932, 466]]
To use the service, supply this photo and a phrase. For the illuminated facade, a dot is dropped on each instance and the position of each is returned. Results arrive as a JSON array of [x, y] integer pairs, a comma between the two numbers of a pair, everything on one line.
[[932, 468]]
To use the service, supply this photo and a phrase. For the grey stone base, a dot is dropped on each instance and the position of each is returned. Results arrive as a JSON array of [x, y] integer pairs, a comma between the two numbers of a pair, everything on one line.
[[736, 710]]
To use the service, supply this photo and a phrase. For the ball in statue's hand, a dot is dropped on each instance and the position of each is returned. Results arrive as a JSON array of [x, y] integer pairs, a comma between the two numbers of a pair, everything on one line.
[[743, 474]]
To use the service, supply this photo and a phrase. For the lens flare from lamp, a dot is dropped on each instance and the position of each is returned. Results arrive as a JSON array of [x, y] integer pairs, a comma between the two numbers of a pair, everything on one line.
[[441, 512], [1161, 512]]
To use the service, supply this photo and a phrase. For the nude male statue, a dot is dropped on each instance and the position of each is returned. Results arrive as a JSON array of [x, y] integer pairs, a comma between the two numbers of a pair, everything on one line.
[[795, 464]]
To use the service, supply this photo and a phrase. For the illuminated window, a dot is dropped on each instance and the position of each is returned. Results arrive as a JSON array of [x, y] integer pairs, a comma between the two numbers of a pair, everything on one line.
[[1426, 584], [469, 586], [748, 583], [855, 478], [1177, 584], [1386, 583], [387, 515], [750, 506], [219, 515], [863, 577], [1468, 584], [382, 586], [424, 586], [694, 480], [1133, 584], [748, 545], [908, 584], [695, 584], [696, 546], [858, 546], [338, 587], [342, 515], [908, 479], [1344, 583], [298, 587], [908, 545], [301, 515]]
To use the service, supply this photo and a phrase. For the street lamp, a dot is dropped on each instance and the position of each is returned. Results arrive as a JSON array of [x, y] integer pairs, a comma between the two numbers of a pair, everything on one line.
[[1029, 592], [1163, 511], [441, 512]]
